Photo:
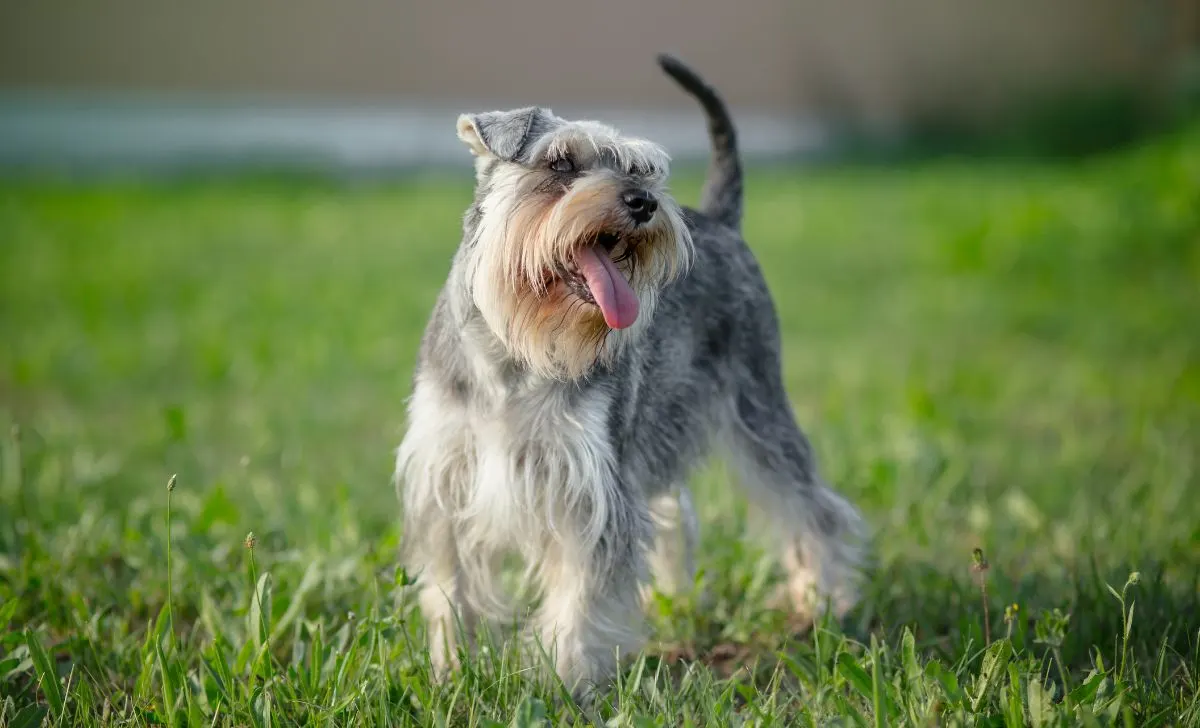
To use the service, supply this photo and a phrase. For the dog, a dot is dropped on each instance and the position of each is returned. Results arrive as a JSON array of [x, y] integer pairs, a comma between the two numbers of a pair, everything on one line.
[[593, 342]]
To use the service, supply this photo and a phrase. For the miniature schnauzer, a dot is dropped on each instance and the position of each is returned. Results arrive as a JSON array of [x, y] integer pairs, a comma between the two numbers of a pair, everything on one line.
[[593, 340]]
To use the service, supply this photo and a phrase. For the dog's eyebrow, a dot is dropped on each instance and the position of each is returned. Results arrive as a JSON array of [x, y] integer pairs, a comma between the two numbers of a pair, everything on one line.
[[555, 147], [635, 159]]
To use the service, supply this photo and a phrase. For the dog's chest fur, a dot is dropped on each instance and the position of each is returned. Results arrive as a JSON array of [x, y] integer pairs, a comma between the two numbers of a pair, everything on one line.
[[525, 459]]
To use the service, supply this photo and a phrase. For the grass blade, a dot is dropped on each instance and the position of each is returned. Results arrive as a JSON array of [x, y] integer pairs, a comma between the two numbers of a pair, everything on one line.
[[995, 660], [31, 716], [877, 697], [852, 673], [6, 613], [46, 672], [169, 688]]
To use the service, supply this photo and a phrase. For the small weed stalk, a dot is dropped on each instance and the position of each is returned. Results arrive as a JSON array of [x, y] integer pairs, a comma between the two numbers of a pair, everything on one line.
[[979, 567], [170, 579], [250, 542], [260, 607], [1051, 630], [1011, 613], [1126, 618]]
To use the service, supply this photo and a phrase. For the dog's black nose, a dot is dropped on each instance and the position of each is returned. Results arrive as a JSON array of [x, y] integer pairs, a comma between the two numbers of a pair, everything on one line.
[[641, 205]]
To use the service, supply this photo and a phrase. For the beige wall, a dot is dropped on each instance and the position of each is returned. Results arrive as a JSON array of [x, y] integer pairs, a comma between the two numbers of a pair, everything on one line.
[[878, 60]]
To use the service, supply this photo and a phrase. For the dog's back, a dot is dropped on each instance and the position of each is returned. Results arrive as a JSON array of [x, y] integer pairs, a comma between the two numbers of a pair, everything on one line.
[[711, 367]]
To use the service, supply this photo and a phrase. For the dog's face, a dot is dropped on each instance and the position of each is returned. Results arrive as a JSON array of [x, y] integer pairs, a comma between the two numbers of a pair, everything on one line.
[[572, 236]]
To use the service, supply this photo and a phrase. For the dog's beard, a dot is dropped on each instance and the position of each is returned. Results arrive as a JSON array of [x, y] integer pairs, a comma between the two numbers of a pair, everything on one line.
[[556, 271]]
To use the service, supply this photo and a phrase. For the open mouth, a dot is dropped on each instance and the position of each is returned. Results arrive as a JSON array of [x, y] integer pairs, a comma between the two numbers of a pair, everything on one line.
[[608, 240], [578, 285], [595, 279]]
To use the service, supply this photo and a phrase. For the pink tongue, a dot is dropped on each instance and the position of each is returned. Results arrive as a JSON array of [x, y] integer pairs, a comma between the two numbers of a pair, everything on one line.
[[612, 292]]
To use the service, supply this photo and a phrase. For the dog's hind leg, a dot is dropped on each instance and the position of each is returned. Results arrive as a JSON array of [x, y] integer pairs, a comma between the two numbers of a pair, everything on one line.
[[673, 558], [820, 529]]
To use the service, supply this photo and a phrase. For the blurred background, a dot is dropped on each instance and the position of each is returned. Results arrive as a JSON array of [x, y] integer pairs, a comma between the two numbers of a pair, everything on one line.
[[223, 224], [951, 200], [370, 85]]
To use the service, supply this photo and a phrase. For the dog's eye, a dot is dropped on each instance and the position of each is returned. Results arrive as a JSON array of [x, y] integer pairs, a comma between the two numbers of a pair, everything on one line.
[[563, 165]]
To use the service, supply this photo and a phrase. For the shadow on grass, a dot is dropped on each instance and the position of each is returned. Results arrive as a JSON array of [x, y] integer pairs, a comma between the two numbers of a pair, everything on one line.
[[1078, 618]]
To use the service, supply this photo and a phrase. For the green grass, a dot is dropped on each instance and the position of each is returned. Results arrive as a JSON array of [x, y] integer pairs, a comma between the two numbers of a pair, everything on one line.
[[1004, 357]]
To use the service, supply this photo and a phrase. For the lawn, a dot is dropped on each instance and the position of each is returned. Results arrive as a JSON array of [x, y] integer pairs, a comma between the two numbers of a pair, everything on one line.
[[992, 355]]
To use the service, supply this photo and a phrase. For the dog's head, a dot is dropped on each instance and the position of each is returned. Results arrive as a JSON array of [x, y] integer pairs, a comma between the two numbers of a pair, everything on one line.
[[571, 237]]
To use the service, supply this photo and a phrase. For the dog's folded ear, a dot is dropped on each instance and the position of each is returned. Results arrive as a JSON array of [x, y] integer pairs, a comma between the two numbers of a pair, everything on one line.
[[503, 134]]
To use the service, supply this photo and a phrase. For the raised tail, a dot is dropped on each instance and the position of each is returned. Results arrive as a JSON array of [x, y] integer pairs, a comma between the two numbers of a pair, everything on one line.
[[722, 195]]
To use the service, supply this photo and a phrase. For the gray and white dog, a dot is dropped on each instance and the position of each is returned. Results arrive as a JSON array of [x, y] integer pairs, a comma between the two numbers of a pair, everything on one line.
[[593, 341]]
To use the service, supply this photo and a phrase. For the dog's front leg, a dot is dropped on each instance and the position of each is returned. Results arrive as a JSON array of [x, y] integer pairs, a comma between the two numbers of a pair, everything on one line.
[[432, 470], [448, 616], [591, 616]]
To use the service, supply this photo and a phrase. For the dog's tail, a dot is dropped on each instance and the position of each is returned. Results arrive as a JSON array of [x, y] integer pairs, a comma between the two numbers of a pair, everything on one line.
[[722, 195]]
